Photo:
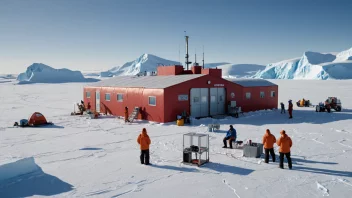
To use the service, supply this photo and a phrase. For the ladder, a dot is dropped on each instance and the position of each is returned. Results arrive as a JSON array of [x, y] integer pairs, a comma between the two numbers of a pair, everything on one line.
[[133, 115]]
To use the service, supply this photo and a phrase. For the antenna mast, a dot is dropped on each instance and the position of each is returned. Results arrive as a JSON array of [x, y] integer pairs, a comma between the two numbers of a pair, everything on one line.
[[187, 61], [179, 59], [195, 57], [203, 57]]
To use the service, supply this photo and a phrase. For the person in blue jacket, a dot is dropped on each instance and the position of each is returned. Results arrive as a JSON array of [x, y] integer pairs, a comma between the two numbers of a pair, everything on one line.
[[230, 136]]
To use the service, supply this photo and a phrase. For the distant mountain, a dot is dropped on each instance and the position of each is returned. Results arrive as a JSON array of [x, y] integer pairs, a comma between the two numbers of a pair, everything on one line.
[[149, 63], [91, 74], [211, 65], [41, 73], [146, 62], [312, 65]]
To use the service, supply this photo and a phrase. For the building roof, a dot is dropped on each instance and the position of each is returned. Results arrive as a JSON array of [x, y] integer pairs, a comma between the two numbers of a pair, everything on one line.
[[251, 82], [153, 82]]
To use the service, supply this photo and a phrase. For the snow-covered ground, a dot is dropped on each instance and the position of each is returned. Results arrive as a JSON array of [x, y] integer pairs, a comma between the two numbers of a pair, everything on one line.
[[80, 157]]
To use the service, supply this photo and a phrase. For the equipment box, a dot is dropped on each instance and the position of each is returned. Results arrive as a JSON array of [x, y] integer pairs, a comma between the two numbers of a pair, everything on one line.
[[187, 157], [254, 150]]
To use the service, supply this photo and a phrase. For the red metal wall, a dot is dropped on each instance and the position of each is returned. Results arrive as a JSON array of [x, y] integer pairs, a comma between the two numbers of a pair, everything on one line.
[[257, 103], [173, 107], [167, 104], [132, 97], [213, 72], [196, 69], [169, 70], [92, 97]]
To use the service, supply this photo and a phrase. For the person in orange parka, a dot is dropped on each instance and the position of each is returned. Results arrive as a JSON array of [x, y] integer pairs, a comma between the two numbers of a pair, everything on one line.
[[269, 141], [126, 115], [144, 142], [285, 144]]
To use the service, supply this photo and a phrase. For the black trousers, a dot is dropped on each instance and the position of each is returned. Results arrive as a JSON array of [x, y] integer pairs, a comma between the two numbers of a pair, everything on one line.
[[272, 153], [288, 157], [230, 142], [283, 110], [145, 156]]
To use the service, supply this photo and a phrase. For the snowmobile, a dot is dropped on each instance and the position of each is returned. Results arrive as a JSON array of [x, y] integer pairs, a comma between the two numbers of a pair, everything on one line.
[[303, 103]]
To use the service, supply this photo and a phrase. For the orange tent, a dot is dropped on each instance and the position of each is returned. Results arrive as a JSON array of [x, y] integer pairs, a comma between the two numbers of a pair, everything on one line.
[[37, 119]]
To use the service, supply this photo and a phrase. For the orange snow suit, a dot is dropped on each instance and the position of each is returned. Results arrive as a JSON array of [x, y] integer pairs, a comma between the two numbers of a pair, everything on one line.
[[144, 140], [285, 143], [268, 140]]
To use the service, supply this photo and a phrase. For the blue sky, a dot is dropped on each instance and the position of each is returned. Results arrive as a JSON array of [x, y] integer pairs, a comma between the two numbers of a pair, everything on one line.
[[97, 35]]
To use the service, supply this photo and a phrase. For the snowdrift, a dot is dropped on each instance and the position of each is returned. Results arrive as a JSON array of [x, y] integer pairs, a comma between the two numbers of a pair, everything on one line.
[[312, 65], [41, 73], [145, 62], [17, 168], [7, 76]]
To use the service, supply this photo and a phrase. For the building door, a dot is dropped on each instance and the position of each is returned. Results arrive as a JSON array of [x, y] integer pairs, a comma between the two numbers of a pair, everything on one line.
[[221, 101], [97, 101], [217, 101], [199, 102]]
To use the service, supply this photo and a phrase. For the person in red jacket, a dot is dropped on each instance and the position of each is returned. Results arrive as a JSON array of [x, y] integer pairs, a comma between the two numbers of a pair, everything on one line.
[[290, 108], [126, 115], [268, 142], [144, 142], [285, 144]]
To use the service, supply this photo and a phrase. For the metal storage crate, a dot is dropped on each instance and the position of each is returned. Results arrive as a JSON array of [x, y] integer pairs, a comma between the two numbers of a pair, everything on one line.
[[195, 148]]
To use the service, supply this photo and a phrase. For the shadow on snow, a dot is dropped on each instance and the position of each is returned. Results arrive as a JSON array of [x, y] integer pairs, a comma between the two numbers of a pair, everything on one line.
[[90, 149], [31, 184], [274, 117], [221, 168], [324, 171]]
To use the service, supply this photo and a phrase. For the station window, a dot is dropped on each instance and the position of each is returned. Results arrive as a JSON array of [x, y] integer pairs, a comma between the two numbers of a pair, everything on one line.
[[272, 94], [248, 95], [262, 95], [87, 94], [120, 97], [204, 99], [107, 97], [152, 100]]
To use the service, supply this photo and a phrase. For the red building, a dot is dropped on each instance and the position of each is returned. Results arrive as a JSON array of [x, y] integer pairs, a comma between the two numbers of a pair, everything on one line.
[[201, 92]]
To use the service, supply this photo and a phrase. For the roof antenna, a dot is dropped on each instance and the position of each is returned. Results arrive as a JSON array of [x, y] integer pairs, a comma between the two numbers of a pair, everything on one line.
[[195, 58], [179, 59], [187, 61], [203, 57]]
